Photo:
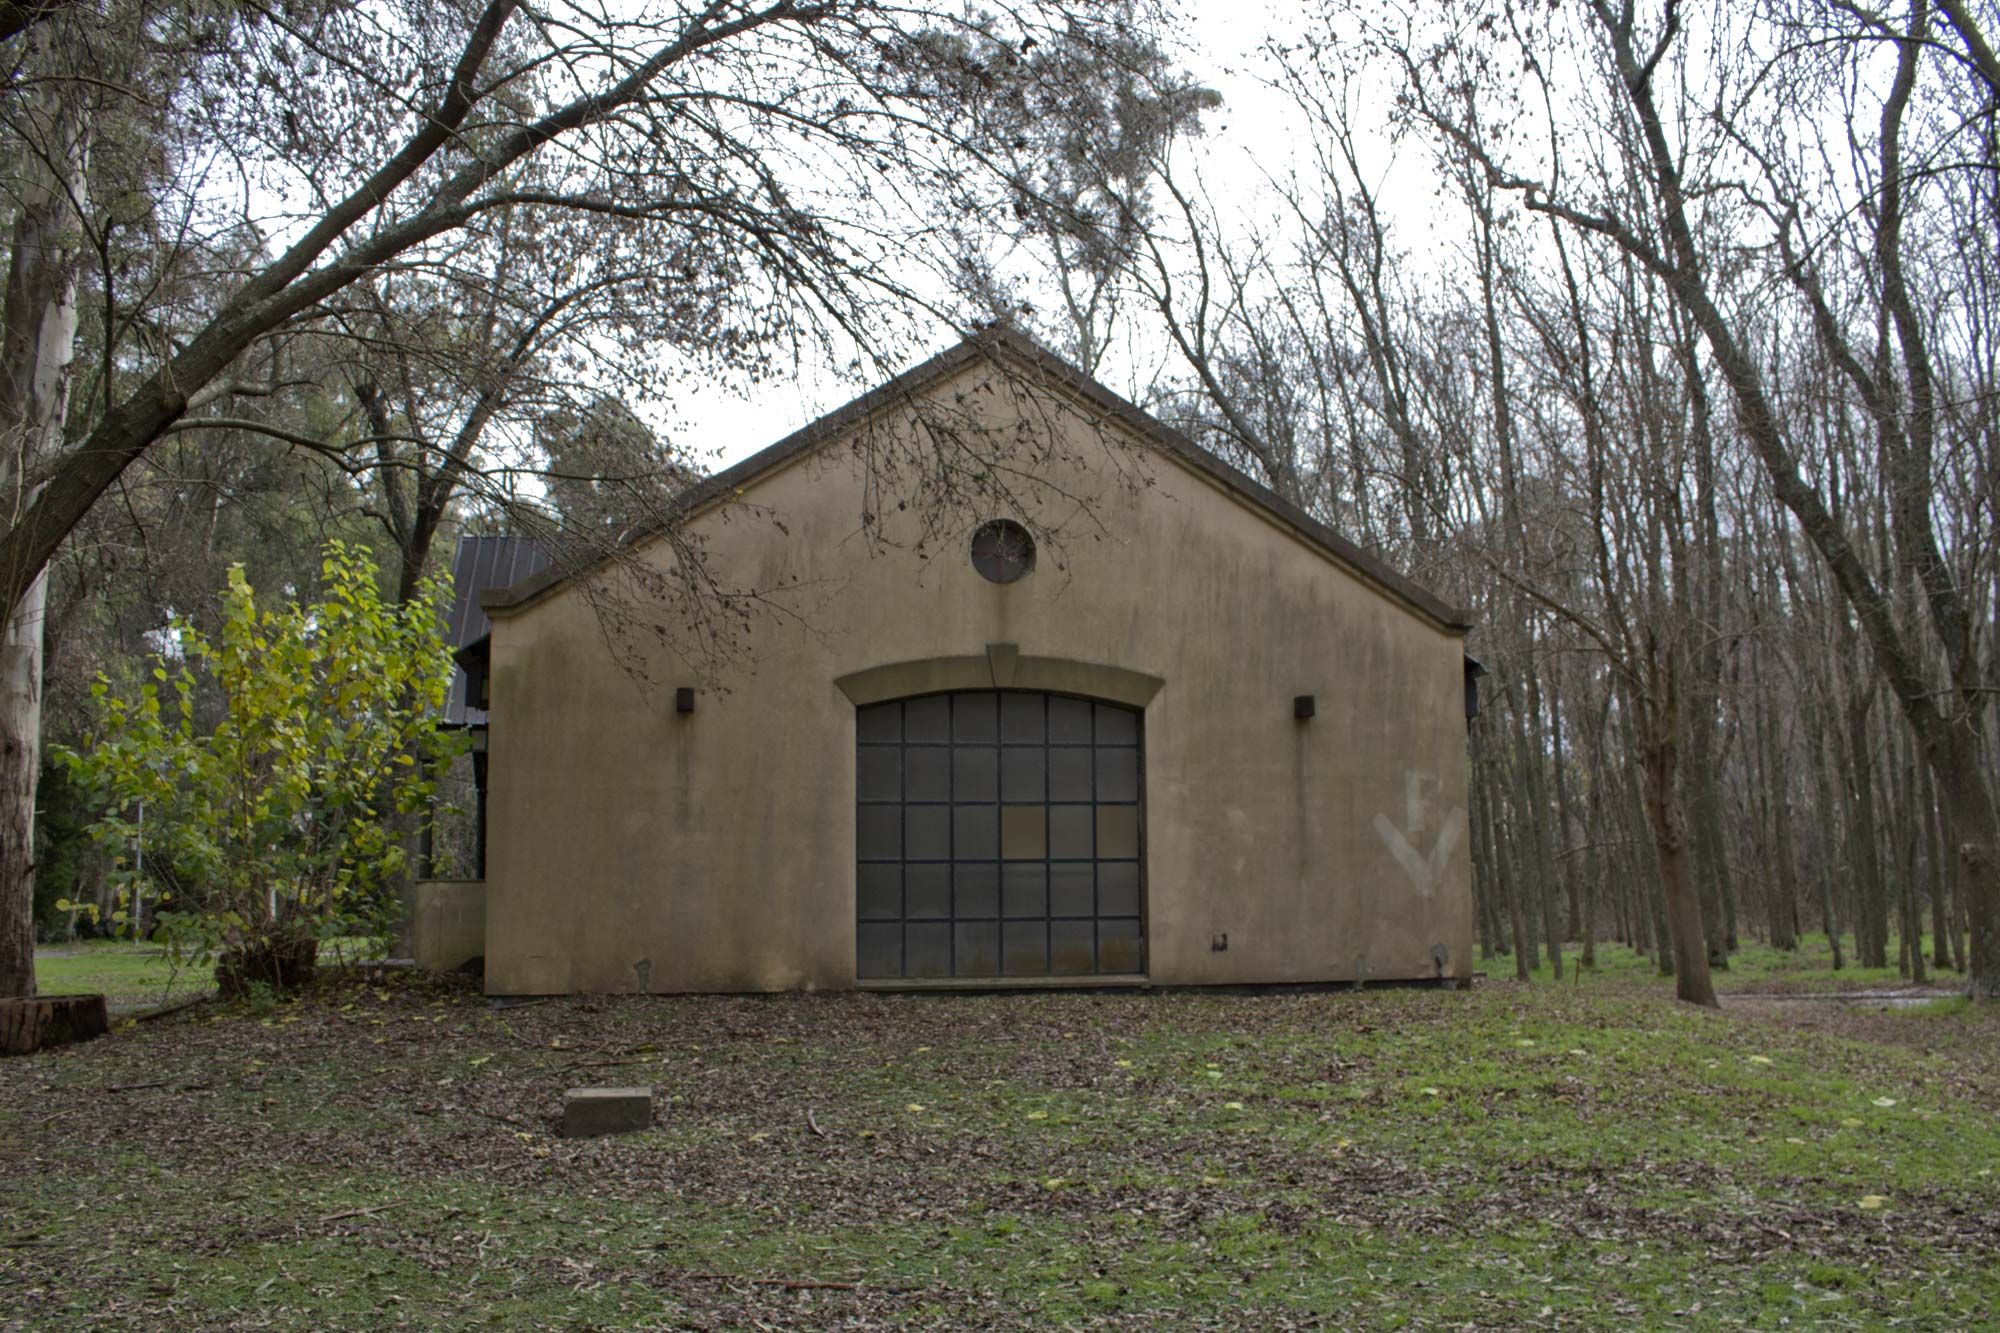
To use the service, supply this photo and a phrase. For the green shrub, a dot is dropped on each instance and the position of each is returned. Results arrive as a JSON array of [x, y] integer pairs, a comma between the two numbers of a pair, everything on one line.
[[286, 822]]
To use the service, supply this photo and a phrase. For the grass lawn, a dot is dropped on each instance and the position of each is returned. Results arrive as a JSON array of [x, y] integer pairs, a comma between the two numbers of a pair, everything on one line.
[[381, 1157], [129, 975], [134, 975], [1754, 968]]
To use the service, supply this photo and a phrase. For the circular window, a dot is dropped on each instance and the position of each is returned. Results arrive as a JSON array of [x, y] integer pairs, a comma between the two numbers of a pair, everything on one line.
[[1002, 551]]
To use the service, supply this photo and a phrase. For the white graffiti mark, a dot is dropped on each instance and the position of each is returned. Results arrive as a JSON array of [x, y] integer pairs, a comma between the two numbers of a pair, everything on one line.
[[1425, 872]]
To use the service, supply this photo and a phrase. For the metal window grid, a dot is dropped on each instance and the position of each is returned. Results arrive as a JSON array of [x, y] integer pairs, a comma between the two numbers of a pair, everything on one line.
[[963, 737]]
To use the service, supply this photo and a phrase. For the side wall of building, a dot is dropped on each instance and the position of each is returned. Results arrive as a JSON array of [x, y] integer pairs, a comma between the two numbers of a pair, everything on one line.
[[632, 847]]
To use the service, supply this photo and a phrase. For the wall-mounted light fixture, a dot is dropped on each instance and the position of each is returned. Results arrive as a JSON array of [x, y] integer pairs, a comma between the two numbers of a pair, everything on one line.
[[684, 699], [1304, 706]]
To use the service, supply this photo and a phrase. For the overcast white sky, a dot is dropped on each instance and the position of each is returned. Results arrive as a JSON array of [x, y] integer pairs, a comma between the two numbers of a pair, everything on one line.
[[1248, 138]]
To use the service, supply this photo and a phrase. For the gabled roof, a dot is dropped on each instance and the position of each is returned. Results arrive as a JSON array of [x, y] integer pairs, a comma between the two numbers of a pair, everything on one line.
[[1052, 369]]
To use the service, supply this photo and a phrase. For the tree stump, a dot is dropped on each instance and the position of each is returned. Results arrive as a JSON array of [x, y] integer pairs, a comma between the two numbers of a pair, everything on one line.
[[34, 1024]]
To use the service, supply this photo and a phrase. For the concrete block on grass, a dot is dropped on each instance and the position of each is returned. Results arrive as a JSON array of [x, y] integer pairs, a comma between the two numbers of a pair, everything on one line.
[[589, 1112]]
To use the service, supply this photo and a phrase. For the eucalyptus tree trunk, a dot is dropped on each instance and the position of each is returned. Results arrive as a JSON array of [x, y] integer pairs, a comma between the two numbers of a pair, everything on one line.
[[38, 346]]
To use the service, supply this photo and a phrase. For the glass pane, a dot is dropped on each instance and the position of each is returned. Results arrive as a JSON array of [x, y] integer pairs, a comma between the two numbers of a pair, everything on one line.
[[878, 833], [928, 837], [928, 890], [1069, 831], [1025, 889], [928, 949], [1025, 947], [1070, 951], [979, 949], [879, 722], [973, 718], [878, 951], [1117, 726], [976, 890], [1117, 830], [1024, 832], [975, 773], [878, 891], [1117, 775], [975, 833], [1069, 888], [928, 772], [1023, 773], [1069, 773], [927, 719], [880, 775], [1021, 719], [1118, 888], [1069, 722], [1118, 946]]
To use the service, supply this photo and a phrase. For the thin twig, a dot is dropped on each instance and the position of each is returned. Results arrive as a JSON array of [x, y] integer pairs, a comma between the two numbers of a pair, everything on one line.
[[361, 1212], [600, 1064], [813, 1124], [172, 1009]]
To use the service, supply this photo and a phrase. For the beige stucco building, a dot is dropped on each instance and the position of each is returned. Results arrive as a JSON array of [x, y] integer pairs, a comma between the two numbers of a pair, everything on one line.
[[1100, 711]]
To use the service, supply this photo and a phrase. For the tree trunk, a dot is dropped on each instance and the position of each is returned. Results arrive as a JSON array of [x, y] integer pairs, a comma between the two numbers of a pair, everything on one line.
[[1597, 835], [1657, 762], [1546, 889], [1483, 889], [1942, 870], [1566, 873], [20, 765], [1871, 919], [1710, 858], [1943, 880], [1782, 891], [1510, 879], [1817, 749], [1976, 825], [39, 346]]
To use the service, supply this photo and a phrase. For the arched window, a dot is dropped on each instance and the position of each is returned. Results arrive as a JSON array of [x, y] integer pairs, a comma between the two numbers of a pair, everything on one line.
[[999, 833]]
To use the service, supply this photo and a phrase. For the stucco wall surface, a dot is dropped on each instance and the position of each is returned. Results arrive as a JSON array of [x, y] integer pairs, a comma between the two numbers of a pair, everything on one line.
[[635, 848], [448, 923]]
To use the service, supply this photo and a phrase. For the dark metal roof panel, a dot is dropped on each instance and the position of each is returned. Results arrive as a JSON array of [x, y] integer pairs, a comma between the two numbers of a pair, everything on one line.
[[480, 565]]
